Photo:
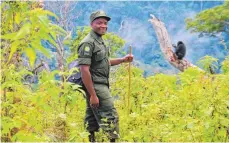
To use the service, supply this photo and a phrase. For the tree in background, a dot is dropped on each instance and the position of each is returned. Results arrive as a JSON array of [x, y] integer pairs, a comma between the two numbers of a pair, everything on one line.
[[166, 45], [211, 22]]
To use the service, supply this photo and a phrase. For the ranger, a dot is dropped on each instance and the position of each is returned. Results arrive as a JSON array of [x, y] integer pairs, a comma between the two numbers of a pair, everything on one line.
[[94, 62]]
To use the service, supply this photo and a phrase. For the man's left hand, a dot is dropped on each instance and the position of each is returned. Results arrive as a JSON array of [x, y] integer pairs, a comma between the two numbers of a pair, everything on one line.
[[128, 58]]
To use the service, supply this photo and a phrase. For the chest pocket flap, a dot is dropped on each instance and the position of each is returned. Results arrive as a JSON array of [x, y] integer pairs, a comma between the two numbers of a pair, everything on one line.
[[100, 55]]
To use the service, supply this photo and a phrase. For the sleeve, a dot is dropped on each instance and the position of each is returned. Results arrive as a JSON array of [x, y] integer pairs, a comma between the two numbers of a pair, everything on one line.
[[84, 54]]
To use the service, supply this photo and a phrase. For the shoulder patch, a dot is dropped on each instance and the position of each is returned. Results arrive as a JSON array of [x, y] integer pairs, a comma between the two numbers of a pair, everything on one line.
[[87, 49]]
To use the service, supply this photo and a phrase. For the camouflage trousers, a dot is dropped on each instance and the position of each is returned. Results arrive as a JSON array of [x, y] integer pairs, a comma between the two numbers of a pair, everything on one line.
[[105, 116]]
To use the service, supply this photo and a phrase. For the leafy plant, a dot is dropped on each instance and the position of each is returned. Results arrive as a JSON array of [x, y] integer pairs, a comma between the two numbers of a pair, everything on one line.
[[208, 63]]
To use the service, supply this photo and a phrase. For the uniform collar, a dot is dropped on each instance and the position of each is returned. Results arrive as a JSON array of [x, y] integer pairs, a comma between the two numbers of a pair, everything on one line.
[[97, 37]]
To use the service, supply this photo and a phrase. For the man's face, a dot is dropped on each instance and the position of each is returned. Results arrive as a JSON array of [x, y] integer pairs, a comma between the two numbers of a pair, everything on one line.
[[99, 25]]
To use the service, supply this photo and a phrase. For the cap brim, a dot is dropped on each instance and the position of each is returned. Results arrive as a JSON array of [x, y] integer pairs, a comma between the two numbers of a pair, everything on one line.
[[106, 17]]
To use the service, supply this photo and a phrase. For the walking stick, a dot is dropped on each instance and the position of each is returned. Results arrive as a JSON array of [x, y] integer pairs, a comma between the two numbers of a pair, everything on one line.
[[129, 69]]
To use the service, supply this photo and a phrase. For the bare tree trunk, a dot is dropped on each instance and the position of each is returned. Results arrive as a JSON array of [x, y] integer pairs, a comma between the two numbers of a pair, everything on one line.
[[66, 18], [60, 56], [166, 45]]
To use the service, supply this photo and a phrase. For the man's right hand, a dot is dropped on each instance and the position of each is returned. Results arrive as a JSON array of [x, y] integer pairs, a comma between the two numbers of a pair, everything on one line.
[[94, 101], [86, 77]]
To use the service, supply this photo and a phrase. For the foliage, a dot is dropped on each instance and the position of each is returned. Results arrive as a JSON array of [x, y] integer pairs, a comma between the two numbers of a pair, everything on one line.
[[114, 42], [191, 106], [33, 111], [225, 65], [210, 21], [81, 32], [208, 63], [23, 29], [39, 112]]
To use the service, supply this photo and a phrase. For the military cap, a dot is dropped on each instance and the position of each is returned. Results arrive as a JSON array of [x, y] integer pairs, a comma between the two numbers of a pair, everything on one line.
[[98, 14]]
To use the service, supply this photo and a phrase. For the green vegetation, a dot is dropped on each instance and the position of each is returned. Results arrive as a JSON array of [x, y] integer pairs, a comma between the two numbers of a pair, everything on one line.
[[191, 106], [210, 21]]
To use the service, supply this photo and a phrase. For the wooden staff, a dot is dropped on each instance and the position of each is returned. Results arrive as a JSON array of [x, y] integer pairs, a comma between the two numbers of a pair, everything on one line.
[[129, 69]]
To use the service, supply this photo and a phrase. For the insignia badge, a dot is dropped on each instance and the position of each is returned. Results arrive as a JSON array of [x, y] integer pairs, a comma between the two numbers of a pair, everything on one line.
[[87, 49]]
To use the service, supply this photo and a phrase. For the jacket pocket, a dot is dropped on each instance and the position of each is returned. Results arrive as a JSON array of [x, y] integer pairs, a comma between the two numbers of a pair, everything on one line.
[[100, 55]]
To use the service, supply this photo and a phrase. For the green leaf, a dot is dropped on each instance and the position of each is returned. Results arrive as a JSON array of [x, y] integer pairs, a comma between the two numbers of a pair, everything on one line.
[[50, 14], [224, 121], [51, 41], [84, 134], [58, 28], [46, 36], [9, 36], [44, 20], [13, 48], [18, 18], [25, 136], [8, 124], [72, 138], [25, 30], [75, 86], [53, 34], [31, 54], [36, 44]]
